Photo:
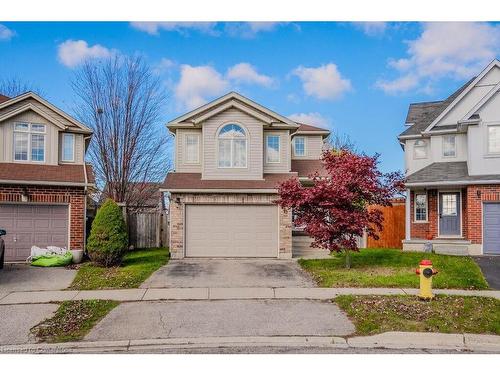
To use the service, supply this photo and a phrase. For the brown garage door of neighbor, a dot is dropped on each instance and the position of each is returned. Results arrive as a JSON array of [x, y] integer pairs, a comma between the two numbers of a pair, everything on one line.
[[232, 231], [30, 224]]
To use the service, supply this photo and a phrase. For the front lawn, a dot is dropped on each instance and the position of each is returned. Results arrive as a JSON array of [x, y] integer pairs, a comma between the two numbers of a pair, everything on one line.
[[72, 320], [394, 268], [444, 314], [136, 267]]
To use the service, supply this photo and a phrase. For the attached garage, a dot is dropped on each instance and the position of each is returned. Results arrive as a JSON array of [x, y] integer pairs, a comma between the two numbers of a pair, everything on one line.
[[32, 224], [219, 230], [491, 228]]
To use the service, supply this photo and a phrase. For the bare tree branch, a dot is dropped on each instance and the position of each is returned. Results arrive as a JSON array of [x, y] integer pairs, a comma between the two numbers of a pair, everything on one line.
[[340, 141], [121, 100], [15, 86]]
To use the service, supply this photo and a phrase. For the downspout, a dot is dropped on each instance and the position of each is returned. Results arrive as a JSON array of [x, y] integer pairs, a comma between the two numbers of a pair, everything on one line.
[[408, 215], [85, 189]]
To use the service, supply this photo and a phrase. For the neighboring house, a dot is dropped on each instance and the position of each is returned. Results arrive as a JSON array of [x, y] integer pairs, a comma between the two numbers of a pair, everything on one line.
[[452, 155], [230, 155], [140, 196], [43, 176]]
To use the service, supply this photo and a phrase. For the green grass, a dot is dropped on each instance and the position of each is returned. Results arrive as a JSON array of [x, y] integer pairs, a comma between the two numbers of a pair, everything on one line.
[[444, 314], [136, 267], [394, 268], [72, 320]]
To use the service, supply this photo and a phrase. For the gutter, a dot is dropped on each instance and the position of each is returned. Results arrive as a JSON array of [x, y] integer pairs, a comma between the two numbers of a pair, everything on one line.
[[243, 191], [450, 183]]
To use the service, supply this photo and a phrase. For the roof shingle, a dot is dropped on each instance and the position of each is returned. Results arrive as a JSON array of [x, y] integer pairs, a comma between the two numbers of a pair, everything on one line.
[[33, 173], [447, 172]]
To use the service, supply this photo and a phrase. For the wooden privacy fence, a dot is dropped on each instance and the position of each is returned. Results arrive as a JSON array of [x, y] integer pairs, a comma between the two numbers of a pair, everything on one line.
[[393, 232], [147, 229]]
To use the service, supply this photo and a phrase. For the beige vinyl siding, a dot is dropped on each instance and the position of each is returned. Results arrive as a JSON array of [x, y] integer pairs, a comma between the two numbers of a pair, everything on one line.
[[180, 143], [254, 130], [284, 165], [314, 147]]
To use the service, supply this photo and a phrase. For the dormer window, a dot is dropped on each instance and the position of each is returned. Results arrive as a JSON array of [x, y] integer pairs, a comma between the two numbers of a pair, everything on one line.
[[232, 148], [420, 149], [29, 142]]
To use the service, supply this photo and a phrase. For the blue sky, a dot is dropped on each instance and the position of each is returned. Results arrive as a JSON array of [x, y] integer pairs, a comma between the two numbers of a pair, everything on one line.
[[355, 78]]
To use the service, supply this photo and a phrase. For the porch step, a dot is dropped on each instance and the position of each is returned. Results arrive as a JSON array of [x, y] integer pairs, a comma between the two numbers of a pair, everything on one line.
[[447, 249]]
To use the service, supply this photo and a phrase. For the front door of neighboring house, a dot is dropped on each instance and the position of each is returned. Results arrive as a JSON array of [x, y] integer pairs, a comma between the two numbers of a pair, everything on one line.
[[449, 214]]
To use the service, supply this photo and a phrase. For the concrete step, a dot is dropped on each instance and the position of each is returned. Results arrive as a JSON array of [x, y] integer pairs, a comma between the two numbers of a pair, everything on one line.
[[447, 249]]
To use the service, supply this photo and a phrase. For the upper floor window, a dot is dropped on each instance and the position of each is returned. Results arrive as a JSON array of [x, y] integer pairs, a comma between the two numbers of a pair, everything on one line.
[[192, 147], [299, 146], [68, 147], [29, 142], [449, 146], [273, 148], [420, 149], [494, 139], [420, 207], [232, 147]]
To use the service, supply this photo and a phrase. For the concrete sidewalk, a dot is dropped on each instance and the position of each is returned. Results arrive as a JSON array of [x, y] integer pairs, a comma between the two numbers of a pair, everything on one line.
[[189, 294], [388, 340]]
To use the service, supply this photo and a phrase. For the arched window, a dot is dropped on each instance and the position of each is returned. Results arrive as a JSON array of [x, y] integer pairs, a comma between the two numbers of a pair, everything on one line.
[[232, 147]]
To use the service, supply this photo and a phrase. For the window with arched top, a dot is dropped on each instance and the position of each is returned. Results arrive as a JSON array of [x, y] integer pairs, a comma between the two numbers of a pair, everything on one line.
[[232, 148]]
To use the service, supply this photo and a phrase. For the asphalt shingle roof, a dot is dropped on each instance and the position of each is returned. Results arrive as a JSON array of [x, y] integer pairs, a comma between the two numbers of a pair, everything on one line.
[[447, 172], [421, 115]]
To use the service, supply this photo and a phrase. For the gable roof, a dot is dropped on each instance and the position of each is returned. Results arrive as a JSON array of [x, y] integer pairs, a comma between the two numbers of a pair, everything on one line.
[[3, 98], [31, 107], [39, 99], [232, 98], [309, 129], [421, 115]]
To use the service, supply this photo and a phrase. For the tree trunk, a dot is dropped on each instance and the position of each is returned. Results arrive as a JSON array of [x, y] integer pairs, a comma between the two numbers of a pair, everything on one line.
[[347, 259]]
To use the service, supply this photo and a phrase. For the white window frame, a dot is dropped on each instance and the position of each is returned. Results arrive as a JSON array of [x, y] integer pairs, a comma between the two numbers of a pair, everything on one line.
[[62, 147], [30, 133], [197, 136], [305, 146], [425, 146], [231, 151], [268, 161], [454, 145], [488, 152], [415, 207]]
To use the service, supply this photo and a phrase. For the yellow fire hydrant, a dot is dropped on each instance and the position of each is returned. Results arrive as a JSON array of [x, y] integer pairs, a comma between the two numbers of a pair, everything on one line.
[[426, 272]]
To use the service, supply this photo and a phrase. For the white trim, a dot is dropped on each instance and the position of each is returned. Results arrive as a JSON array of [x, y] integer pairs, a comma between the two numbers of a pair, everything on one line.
[[459, 211], [62, 147], [30, 133], [482, 102], [229, 105], [415, 193], [267, 147], [247, 139], [30, 94], [305, 146], [31, 107], [232, 95], [463, 93], [454, 146], [243, 191], [311, 132], [192, 134]]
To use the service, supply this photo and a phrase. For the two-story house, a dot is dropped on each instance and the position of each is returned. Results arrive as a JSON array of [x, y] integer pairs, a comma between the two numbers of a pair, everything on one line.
[[452, 157], [230, 155], [43, 176]]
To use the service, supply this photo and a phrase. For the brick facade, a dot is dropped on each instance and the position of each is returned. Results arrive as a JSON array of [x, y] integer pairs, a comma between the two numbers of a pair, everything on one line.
[[178, 202], [471, 212], [73, 196]]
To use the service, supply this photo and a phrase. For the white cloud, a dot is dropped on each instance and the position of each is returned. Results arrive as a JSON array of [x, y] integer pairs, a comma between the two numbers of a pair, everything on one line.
[[248, 30], [323, 82], [457, 50], [5, 33], [401, 84], [311, 118], [197, 84], [74, 52], [154, 28], [372, 28], [165, 64], [247, 73]]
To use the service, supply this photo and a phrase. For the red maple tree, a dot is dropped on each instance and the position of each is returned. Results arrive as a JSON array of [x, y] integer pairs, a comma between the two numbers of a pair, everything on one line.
[[334, 209]]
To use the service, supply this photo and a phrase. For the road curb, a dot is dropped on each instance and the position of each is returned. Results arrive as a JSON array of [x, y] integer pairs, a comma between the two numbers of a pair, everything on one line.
[[387, 340]]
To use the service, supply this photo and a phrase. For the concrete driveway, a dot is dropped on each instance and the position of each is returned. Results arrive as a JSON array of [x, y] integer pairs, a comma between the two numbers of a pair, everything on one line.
[[17, 320], [189, 273], [22, 277], [146, 320]]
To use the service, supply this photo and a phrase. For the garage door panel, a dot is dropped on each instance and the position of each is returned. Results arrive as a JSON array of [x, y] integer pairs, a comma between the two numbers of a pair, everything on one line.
[[231, 231], [491, 228], [28, 225]]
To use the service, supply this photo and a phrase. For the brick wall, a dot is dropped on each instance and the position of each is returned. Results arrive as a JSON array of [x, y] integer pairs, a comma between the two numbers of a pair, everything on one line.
[[74, 196], [177, 218], [421, 230], [476, 194]]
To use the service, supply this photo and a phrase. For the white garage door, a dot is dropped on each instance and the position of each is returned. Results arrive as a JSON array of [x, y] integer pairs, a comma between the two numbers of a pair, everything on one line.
[[27, 225], [231, 231]]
